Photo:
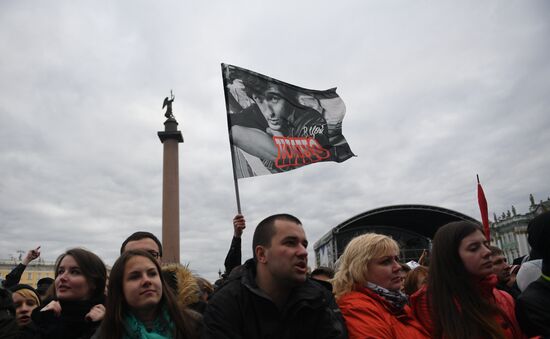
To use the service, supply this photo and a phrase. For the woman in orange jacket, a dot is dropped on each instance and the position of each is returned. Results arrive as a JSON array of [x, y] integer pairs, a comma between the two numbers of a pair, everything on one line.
[[367, 288], [460, 300]]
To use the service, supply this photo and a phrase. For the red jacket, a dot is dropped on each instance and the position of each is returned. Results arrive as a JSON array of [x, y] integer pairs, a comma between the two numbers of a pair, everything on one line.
[[368, 315], [508, 321]]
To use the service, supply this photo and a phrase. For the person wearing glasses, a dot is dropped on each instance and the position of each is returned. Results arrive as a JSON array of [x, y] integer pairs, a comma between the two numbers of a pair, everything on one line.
[[145, 241], [180, 279]]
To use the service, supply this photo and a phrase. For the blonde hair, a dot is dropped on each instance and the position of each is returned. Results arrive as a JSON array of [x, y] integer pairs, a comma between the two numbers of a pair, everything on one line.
[[353, 262], [28, 294]]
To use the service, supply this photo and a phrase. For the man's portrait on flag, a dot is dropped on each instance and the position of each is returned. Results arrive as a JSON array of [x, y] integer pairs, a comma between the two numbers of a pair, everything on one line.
[[276, 127]]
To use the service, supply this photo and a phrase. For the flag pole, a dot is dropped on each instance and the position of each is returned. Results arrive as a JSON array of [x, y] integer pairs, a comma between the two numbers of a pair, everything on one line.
[[235, 180]]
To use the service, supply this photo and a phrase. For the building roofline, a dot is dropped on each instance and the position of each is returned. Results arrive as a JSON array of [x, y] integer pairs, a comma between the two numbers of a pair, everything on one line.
[[389, 209]]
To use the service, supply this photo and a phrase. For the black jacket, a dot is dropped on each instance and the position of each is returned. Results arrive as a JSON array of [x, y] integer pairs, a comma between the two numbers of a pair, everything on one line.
[[14, 276], [513, 291], [239, 309], [71, 324], [533, 308], [8, 325], [233, 258]]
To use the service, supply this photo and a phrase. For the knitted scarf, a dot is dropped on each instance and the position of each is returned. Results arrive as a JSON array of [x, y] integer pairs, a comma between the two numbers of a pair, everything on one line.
[[162, 327], [397, 299]]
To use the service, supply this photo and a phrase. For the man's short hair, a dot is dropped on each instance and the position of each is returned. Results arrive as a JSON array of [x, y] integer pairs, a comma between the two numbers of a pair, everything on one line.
[[265, 230], [538, 236], [255, 86], [495, 250], [323, 270], [141, 235], [43, 285]]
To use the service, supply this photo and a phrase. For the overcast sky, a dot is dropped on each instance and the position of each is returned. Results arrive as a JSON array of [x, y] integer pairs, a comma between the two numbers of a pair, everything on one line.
[[436, 91]]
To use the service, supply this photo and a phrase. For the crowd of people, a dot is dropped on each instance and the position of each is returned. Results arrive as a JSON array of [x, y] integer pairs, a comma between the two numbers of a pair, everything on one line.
[[463, 289]]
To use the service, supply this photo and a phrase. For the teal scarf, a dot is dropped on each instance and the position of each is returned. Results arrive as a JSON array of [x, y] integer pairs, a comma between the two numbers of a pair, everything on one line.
[[163, 327]]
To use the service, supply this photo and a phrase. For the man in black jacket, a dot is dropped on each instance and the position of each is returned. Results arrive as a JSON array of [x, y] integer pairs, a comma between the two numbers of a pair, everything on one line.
[[533, 305], [270, 296], [503, 271]]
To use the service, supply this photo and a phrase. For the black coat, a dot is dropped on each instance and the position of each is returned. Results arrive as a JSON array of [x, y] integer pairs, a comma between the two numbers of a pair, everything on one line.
[[71, 324], [8, 325], [233, 258], [14, 276], [29, 332], [239, 309], [533, 308]]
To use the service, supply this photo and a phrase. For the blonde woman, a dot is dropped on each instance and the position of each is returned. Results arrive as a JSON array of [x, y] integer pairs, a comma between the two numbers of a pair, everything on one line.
[[367, 289], [25, 300]]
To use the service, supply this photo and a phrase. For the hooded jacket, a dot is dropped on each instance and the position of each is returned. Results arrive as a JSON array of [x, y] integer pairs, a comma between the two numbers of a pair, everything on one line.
[[186, 289], [183, 284], [507, 317], [368, 315]]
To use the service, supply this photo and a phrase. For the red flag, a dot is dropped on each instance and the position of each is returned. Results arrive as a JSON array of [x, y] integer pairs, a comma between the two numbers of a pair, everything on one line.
[[483, 209]]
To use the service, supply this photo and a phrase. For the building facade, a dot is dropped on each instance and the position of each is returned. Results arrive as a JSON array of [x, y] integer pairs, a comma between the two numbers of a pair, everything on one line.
[[509, 230]]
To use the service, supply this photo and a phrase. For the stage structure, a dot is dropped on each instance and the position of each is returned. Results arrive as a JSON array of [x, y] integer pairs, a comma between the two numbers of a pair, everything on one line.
[[170, 138], [412, 226]]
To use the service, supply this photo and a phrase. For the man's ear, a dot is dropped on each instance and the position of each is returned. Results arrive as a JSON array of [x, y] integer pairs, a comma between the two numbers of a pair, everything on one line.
[[260, 252]]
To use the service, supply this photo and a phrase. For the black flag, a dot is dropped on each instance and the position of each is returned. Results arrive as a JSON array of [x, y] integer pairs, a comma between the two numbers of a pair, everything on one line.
[[276, 127]]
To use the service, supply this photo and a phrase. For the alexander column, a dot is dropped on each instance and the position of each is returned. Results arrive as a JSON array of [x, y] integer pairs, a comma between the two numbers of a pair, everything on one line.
[[170, 138]]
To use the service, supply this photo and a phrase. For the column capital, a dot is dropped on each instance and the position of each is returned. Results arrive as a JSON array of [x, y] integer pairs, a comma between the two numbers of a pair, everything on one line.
[[170, 131]]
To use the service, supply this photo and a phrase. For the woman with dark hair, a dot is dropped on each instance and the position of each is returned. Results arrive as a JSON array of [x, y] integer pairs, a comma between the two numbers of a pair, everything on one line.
[[460, 300], [367, 287], [140, 303], [77, 306]]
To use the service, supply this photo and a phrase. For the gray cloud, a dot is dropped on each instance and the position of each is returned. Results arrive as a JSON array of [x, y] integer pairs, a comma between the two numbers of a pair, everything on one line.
[[435, 93]]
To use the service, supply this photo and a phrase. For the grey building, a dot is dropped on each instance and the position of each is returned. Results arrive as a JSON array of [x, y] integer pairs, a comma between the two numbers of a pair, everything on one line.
[[509, 230]]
